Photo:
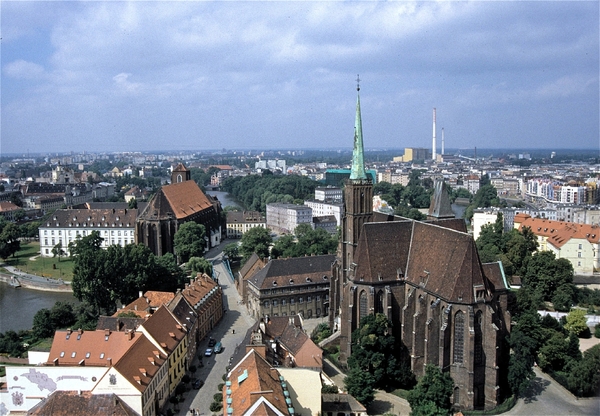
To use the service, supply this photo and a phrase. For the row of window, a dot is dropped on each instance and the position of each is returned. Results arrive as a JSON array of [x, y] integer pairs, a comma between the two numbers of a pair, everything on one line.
[[76, 232], [275, 302]]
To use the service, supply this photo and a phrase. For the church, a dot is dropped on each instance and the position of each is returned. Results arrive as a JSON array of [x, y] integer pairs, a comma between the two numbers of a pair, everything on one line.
[[444, 305], [175, 204]]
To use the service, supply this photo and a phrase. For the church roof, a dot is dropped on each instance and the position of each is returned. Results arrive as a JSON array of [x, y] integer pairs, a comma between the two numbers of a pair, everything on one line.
[[440, 206], [180, 200], [441, 260]]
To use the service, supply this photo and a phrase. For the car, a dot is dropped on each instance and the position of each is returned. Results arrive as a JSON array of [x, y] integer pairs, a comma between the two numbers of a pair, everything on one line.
[[208, 352], [211, 342], [197, 384], [218, 348]]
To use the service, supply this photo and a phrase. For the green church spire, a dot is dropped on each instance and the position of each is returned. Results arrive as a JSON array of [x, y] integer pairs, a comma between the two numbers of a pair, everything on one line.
[[358, 165]]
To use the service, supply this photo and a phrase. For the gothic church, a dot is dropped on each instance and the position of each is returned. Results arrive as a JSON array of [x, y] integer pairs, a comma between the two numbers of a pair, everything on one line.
[[444, 305]]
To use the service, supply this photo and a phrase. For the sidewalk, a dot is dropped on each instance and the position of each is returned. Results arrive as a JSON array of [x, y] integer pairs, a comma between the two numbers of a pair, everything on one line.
[[32, 281]]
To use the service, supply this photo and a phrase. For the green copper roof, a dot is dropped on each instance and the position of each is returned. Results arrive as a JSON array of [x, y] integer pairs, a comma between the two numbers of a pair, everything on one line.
[[358, 165]]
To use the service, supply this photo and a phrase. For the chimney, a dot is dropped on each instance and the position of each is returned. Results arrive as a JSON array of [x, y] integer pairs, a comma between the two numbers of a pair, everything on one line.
[[442, 141], [55, 361], [109, 362], [433, 150], [130, 335], [140, 294]]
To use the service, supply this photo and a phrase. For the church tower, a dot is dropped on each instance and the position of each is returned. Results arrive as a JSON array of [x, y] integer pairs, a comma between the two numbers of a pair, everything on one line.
[[358, 209]]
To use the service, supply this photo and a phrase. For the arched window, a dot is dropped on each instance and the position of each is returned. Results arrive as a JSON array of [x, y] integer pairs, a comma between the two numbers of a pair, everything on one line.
[[179, 178], [478, 351], [379, 302], [456, 397], [459, 336], [362, 304]]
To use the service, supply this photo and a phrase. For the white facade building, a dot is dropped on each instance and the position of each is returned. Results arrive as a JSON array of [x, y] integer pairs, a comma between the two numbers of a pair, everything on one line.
[[285, 218], [115, 226], [324, 209]]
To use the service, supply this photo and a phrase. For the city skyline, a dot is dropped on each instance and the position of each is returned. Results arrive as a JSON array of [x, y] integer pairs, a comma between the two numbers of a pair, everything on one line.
[[141, 76]]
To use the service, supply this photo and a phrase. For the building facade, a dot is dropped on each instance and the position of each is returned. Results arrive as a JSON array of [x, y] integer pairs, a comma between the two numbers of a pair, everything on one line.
[[239, 222], [284, 218]]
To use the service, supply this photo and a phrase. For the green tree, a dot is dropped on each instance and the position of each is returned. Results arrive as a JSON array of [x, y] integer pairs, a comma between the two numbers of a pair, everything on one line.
[[43, 327], [57, 251], [314, 241], [189, 241], [360, 385], [543, 273], [256, 240], [524, 341], [232, 251], [199, 265], [62, 315], [374, 350], [576, 321], [284, 247], [9, 238], [553, 355], [432, 393], [132, 204], [584, 378]]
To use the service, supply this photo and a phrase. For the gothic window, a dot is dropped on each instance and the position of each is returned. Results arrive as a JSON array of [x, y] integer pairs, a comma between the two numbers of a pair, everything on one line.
[[459, 336], [362, 305], [179, 178], [456, 398], [379, 302], [478, 352]]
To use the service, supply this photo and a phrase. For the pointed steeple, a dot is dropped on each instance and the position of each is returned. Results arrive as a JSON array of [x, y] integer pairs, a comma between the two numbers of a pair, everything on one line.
[[358, 165]]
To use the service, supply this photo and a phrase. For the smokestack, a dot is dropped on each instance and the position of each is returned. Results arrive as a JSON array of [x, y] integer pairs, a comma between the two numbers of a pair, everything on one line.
[[442, 141], [433, 150]]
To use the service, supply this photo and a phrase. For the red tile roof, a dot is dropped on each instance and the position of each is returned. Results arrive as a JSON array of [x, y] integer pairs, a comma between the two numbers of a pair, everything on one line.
[[185, 198]]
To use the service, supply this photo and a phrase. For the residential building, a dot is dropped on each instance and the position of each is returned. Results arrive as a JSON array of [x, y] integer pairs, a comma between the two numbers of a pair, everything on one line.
[[251, 267], [291, 286], [284, 218], [328, 223], [341, 404], [82, 403], [325, 209], [205, 296], [578, 243], [239, 222], [8, 210], [64, 226], [328, 194]]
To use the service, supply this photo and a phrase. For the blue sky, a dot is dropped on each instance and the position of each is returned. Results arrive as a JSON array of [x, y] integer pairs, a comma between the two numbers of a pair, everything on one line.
[[193, 75]]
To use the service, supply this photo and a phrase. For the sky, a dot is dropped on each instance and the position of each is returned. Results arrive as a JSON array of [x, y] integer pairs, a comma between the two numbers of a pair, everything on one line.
[[121, 76]]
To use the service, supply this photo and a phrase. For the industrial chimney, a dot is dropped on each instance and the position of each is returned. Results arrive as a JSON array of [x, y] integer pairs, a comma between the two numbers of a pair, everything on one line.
[[433, 150], [442, 141]]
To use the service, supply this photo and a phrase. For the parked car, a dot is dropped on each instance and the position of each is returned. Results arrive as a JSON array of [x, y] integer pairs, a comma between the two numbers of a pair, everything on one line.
[[218, 347], [197, 384], [208, 352], [211, 342]]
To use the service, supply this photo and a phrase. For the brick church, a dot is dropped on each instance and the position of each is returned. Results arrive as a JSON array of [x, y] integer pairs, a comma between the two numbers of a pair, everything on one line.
[[444, 305]]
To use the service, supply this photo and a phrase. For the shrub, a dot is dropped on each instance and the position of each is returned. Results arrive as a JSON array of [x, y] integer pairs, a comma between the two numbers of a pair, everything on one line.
[[218, 397], [216, 406], [597, 331]]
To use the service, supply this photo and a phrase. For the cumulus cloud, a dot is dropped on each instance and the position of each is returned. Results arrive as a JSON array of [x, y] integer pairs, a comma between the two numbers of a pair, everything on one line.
[[21, 69]]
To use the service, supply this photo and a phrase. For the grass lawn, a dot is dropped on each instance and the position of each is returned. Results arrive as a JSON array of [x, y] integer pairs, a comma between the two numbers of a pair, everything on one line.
[[41, 266]]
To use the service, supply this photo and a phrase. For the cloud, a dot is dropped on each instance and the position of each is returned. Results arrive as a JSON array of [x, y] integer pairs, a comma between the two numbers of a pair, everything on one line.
[[21, 69]]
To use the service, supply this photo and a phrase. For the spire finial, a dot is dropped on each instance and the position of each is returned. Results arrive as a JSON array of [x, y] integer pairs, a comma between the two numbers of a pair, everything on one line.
[[357, 83]]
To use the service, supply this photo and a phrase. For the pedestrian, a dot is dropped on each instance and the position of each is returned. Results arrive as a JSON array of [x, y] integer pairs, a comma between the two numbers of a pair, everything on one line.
[[233, 331]]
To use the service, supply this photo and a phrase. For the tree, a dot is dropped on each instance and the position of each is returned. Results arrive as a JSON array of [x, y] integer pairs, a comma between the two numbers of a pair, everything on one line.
[[329, 389], [524, 343], [43, 327], [132, 204], [576, 321], [62, 315], [232, 251], [189, 241], [199, 265], [314, 241], [374, 350], [432, 393], [284, 247], [57, 250], [584, 378], [360, 384], [543, 273], [9, 238], [256, 240]]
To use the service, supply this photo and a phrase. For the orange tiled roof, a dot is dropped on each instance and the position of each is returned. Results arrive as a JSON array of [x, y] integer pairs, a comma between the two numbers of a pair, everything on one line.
[[99, 348], [164, 328], [558, 233], [66, 403], [198, 289], [140, 363], [185, 198]]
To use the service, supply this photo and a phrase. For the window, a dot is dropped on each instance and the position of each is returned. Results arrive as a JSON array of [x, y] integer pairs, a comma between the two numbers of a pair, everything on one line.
[[318, 298], [292, 301], [275, 303], [267, 304], [300, 300], [578, 254], [283, 302], [580, 247], [362, 305], [73, 354], [309, 298], [459, 335], [478, 352]]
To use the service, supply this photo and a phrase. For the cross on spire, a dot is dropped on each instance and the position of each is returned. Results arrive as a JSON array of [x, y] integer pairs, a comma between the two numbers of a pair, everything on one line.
[[357, 83]]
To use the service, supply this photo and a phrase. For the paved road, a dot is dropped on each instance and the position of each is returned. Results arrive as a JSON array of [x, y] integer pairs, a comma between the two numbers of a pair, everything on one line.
[[547, 398], [236, 318]]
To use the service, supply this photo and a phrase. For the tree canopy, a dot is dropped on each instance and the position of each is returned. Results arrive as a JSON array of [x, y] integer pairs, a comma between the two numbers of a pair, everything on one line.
[[256, 240], [189, 241], [103, 277], [9, 238], [431, 395], [307, 241]]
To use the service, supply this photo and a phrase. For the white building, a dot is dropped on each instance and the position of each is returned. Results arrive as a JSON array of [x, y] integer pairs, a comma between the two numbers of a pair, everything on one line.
[[324, 209], [116, 226], [328, 194], [284, 218], [239, 222]]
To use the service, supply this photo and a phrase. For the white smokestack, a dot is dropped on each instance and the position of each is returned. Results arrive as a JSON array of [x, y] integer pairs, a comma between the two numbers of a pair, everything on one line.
[[433, 150], [442, 141]]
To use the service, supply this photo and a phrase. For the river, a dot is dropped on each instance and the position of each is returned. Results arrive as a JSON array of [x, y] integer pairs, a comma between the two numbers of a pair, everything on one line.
[[18, 306]]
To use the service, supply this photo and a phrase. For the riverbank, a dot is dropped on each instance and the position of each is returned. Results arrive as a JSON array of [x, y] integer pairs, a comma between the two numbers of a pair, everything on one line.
[[17, 278]]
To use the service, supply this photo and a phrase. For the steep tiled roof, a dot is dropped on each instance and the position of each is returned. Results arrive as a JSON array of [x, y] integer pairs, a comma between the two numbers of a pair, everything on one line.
[[68, 403], [163, 327], [185, 198], [182, 310], [91, 348], [92, 218], [340, 402], [198, 289], [251, 266], [294, 271], [150, 301], [495, 274], [559, 232], [251, 379], [116, 323], [140, 363], [6, 206], [441, 260], [440, 206]]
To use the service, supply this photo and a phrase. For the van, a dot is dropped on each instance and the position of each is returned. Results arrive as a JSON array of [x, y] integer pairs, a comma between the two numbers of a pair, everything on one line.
[[218, 347]]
